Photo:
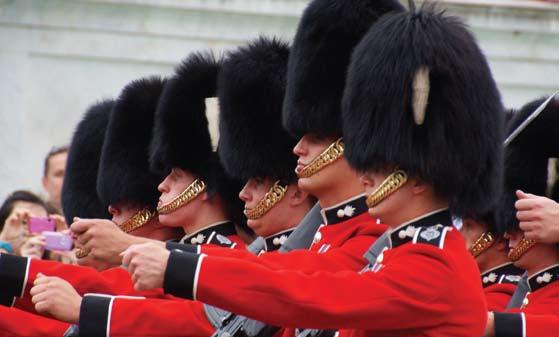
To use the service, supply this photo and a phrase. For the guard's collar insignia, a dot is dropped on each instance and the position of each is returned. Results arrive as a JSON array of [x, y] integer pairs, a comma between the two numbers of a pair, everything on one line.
[[544, 277], [345, 210]]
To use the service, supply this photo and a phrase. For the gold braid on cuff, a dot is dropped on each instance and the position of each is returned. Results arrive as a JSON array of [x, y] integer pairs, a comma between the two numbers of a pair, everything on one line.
[[272, 197], [390, 185], [327, 157], [138, 220], [516, 253], [190, 193], [482, 244]]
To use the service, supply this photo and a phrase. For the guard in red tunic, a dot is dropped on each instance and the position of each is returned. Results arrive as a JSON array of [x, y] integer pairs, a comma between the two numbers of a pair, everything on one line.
[[425, 128], [534, 308]]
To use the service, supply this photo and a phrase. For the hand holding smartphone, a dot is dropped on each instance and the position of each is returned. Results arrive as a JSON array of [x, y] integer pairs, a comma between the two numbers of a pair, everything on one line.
[[40, 225], [57, 241]]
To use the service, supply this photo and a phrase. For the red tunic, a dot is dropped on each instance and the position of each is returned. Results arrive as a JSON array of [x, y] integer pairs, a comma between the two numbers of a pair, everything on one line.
[[499, 284], [539, 314], [341, 246], [427, 284]]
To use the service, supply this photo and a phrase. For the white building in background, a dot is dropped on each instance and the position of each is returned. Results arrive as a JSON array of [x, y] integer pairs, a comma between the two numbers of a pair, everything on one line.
[[58, 56]]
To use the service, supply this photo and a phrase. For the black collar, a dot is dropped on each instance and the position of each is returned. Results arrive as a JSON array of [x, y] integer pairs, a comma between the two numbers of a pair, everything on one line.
[[544, 277], [345, 210], [505, 273], [216, 233], [274, 242], [406, 232]]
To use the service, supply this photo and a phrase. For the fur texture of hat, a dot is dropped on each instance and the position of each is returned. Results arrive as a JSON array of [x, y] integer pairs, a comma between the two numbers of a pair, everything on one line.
[[327, 34], [458, 147], [181, 137], [124, 172], [251, 88], [79, 194]]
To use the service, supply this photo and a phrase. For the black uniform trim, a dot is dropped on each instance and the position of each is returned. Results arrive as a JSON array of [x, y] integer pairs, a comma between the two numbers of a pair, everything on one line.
[[214, 234], [274, 242], [544, 278], [344, 211], [94, 315], [181, 274], [506, 273], [428, 229], [13, 274], [509, 324], [184, 247], [7, 300]]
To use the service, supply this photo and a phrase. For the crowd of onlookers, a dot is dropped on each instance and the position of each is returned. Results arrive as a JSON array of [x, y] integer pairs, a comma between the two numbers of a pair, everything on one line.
[[22, 208]]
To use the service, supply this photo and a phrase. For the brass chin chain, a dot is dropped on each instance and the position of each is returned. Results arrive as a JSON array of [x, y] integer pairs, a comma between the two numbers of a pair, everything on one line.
[[327, 157], [390, 185], [516, 253], [190, 193], [272, 197], [138, 220], [482, 244]]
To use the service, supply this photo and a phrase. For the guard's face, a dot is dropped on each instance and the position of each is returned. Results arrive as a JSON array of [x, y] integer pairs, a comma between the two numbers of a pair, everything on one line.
[[307, 149], [389, 210], [173, 185], [121, 212], [272, 221]]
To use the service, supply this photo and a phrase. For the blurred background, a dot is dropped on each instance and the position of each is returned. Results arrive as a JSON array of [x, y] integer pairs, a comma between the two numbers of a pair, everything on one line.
[[59, 56]]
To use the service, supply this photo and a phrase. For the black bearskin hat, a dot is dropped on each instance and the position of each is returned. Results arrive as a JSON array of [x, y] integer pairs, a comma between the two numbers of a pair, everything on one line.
[[251, 88], [79, 193], [527, 160], [448, 130], [182, 138], [327, 33], [124, 172]]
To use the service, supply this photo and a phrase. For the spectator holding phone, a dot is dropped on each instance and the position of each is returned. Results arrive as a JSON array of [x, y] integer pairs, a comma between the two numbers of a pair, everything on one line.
[[15, 214]]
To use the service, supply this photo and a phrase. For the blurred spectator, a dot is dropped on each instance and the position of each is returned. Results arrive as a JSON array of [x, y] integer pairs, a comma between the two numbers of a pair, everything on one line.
[[14, 216], [53, 177]]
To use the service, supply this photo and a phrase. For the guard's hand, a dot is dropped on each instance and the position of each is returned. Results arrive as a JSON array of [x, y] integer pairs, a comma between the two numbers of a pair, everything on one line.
[[102, 239], [146, 264], [56, 297], [538, 217]]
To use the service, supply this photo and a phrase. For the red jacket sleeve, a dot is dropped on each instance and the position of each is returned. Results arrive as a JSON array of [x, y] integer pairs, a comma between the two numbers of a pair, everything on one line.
[[17, 323], [327, 300], [145, 317]]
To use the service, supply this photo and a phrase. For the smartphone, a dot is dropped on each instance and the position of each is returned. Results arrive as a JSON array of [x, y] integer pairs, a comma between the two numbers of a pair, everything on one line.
[[57, 241], [39, 225]]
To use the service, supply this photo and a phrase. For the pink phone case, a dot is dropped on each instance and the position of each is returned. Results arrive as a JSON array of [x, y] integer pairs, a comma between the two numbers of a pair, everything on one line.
[[57, 241], [39, 225]]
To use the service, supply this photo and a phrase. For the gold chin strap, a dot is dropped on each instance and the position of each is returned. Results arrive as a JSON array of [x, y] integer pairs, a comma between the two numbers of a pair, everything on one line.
[[482, 244], [327, 157], [137, 220], [190, 193], [516, 253], [390, 185], [272, 197]]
